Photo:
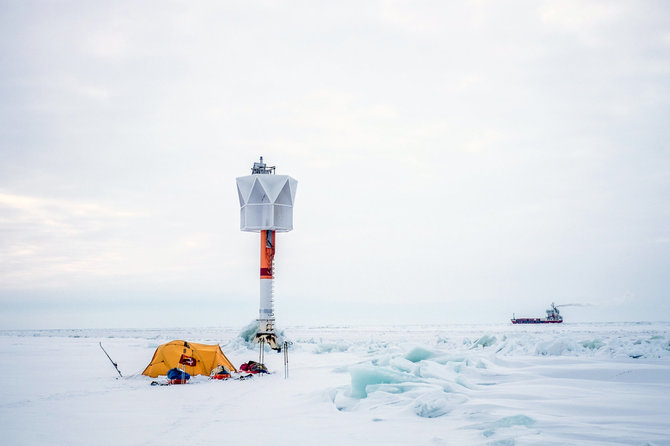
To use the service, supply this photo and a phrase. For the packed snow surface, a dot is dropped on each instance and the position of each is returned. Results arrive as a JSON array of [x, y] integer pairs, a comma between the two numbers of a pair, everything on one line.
[[579, 384]]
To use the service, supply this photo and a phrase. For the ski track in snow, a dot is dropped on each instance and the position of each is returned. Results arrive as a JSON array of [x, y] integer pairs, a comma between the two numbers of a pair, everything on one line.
[[582, 384]]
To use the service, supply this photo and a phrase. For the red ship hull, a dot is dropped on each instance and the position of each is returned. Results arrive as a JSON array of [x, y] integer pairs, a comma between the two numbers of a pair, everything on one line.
[[530, 320]]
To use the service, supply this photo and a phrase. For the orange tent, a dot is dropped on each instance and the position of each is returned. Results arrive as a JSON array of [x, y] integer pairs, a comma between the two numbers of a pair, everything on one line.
[[194, 359]]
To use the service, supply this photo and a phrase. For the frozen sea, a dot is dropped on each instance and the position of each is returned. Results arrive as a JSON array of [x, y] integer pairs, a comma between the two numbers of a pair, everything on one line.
[[569, 384]]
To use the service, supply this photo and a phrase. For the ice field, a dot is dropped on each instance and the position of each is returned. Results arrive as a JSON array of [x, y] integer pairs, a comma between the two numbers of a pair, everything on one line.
[[577, 384]]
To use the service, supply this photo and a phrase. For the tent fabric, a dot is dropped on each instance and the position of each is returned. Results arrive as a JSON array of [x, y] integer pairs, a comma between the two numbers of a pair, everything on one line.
[[183, 355]]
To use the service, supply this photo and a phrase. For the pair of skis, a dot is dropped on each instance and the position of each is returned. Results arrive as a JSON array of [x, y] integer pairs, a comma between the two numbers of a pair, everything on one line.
[[110, 360]]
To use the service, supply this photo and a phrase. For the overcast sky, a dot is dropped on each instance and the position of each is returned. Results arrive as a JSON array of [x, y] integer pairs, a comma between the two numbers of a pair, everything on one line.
[[457, 161]]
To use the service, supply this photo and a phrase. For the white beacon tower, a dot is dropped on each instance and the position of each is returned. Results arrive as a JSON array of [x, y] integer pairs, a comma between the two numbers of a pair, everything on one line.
[[266, 206]]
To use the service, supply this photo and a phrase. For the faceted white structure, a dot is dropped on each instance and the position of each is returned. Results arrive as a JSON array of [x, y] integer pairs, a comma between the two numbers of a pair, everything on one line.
[[266, 202]]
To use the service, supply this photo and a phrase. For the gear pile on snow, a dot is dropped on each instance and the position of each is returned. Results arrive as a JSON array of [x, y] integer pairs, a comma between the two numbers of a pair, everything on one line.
[[253, 367]]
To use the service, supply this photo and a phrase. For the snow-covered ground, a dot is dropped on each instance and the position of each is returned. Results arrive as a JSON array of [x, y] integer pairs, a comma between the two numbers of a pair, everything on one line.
[[578, 384]]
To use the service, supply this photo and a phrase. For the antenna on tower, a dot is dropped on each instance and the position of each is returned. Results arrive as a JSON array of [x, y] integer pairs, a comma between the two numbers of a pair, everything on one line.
[[262, 168]]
